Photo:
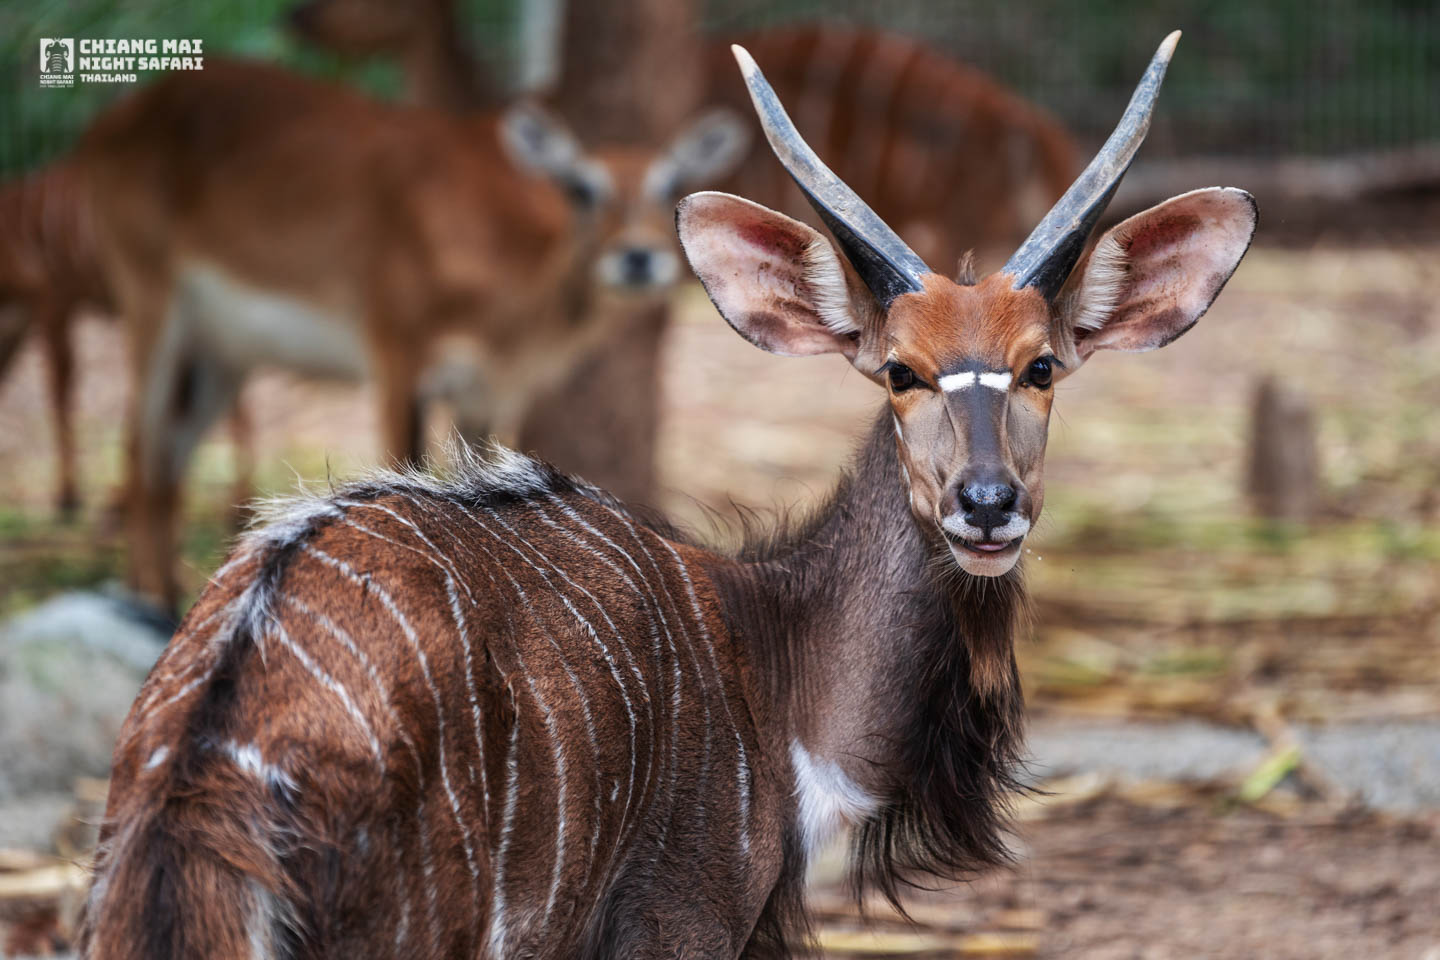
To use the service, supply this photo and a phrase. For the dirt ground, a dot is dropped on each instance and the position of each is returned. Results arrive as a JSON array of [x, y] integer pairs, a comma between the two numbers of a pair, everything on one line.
[[1116, 879], [1158, 594]]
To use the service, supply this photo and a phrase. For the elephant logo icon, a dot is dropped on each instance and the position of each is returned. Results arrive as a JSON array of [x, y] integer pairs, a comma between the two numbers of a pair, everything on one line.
[[57, 55]]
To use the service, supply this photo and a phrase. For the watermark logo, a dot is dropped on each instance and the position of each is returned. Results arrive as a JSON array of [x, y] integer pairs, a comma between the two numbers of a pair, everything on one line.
[[57, 62], [115, 59]]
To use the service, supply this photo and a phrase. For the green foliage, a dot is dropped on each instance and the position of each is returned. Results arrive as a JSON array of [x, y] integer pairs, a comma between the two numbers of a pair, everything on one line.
[[37, 124]]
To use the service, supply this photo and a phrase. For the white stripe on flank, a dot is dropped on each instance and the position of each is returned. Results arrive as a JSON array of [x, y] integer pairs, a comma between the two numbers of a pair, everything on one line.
[[742, 772], [700, 812], [402, 929], [345, 640], [263, 923], [335, 687], [655, 707], [381, 688], [550, 726], [145, 709], [248, 758], [659, 659], [450, 579], [427, 867], [498, 925], [507, 830], [172, 650], [957, 381], [609, 660], [581, 697], [369, 584], [425, 670], [446, 566]]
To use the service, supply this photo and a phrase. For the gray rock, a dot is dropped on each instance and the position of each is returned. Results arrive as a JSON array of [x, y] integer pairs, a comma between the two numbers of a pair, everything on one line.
[[69, 670]]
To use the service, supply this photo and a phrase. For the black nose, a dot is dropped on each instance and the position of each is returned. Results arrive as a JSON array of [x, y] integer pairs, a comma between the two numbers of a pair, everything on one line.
[[987, 500], [635, 265]]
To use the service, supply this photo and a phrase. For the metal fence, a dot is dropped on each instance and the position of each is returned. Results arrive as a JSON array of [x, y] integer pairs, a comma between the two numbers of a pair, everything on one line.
[[1254, 78]]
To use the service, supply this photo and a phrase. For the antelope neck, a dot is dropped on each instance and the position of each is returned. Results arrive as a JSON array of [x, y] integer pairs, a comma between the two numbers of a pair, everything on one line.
[[853, 618]]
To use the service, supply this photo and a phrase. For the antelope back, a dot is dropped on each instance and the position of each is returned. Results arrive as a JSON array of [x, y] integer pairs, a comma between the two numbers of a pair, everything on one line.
[[47, 243], [442, 719]]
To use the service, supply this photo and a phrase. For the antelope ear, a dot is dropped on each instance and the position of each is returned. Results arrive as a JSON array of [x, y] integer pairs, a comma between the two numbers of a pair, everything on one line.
[[706, 151], [778, 282], [539, 143], [1150, 278]]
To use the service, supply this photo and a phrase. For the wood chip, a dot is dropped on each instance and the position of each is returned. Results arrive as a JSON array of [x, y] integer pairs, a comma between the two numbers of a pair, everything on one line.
[[13, 860], [42, 883], [880, 943], [1019, 919], [997, 945]]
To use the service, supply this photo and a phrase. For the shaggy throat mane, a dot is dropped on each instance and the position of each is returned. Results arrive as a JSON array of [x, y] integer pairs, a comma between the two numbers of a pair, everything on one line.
[[861, 581]]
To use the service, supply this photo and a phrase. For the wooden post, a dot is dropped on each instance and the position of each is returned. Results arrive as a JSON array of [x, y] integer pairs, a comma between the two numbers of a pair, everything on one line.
[[1282, 481]]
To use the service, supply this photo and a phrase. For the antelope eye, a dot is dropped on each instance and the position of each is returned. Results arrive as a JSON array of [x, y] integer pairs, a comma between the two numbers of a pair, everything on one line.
[[902, 378], [1040, 373]]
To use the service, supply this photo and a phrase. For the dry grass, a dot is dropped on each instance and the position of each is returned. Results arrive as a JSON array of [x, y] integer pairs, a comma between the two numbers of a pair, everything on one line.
[[1158, 591]]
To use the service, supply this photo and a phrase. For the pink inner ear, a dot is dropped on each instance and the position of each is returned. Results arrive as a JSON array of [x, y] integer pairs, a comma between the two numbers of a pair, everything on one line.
[[1153, 240], [773, 240], [1167, 265], [754, 263]]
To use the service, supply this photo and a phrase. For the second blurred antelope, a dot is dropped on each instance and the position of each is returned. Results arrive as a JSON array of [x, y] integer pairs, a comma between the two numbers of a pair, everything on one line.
[[247, 216]]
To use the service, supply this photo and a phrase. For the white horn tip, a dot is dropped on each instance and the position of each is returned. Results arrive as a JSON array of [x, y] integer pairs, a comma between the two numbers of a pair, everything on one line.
[[742, 57], [1167, 46]]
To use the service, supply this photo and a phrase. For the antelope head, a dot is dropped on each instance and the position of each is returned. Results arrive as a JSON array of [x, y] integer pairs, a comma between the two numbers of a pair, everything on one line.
[[637, 258], [625, 196], [970, 366]]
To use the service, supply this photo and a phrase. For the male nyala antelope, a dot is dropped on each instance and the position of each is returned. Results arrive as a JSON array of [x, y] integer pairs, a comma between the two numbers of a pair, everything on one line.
[[499, 716]]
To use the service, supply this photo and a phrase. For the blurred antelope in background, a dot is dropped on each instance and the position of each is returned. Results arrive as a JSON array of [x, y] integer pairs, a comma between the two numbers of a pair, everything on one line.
[[603, 423], [502, 716], [247, 216], [48, 273], [634, 265]]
